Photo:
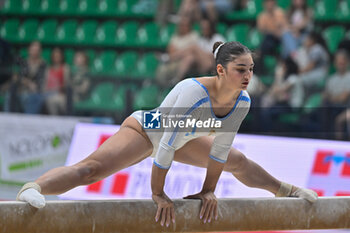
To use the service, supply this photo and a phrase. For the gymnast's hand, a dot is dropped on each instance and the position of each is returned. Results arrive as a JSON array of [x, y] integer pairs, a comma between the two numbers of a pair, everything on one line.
[[30, 193], [165, 211], [209, 208]]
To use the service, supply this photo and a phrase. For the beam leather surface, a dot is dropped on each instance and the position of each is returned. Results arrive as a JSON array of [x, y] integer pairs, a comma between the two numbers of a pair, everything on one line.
[[138, 216]]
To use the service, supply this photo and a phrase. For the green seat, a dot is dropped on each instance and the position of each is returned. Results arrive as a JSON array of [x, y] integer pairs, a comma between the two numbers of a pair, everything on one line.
[[238, 32], [249, 13], [50, 7], [125, 64], [270, 63], [125, 7], [23, 52], [31, 7], [12, 7], [107, 8], [2, 100], [46, 55], [146, 66], [9, 30], [166, 33], [313, 102], [148, 35], [118, 102], [254, 39], [333, 35], [99, 99], [325, 10], [127, 33], [88, 7], [28, 30], [47, 31], [69, 56], [91, 54], [285, 4], [106, 33], [146, 98], [66, 32], [86, 32], [104, 63], [221, 28], [343, 11], [69, 7]]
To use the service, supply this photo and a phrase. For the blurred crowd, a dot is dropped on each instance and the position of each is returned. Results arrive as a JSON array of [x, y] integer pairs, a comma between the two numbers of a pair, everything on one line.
[[36, 87], [306, 74]]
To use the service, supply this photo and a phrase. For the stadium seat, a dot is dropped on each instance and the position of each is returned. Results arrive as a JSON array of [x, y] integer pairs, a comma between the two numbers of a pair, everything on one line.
[[238, 32], [106, 33], [284, 4], [343, 11], [126, 34], [125, 64], [88, 7], [104, 63], [46, 54], [50, 7], [148, 35], [69, 7], [125, 7], [107, 8], [166, 33], [86, 32], [12, 7], [146, 98], [23, 52], [254, 39], [31, 7], [221, 28], [249, 13], [100, 96], [91, 54], [118, 102], [69, 56], [28, 30], [47, 31], [270, 63], [9, 30], [146, 66], [333, 35], [66, 31], [325, 10]]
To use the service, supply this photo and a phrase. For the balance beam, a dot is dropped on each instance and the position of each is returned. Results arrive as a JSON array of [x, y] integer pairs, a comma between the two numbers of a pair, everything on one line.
[[138, 216]]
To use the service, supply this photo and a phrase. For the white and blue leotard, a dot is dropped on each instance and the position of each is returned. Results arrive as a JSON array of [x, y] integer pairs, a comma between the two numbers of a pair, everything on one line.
[[189, 98]]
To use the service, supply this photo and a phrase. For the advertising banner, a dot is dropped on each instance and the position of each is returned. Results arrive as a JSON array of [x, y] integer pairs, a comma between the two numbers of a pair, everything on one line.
[[31, 145]]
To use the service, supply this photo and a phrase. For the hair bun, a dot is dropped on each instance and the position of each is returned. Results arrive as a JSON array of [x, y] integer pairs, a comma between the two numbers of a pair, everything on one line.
[[216, 45]]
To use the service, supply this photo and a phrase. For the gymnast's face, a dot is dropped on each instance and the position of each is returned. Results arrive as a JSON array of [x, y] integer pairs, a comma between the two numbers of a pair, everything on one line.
[[239, 72]]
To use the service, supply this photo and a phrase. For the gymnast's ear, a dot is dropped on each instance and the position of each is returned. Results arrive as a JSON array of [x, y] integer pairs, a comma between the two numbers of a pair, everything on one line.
[[220, 70]]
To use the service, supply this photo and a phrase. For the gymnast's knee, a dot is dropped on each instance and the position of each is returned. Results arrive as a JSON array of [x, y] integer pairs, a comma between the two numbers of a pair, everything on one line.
[[88, 171], [236, 162]]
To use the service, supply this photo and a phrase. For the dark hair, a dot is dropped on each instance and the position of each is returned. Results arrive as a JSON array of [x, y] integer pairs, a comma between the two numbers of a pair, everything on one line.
[[228, 52]]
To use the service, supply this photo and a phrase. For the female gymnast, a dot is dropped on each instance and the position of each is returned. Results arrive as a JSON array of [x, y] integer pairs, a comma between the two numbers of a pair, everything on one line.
[[222, 97]]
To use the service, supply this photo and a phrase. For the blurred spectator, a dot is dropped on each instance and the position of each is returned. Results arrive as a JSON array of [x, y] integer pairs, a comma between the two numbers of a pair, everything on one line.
[[210, 8], [79, 81], [313, 63], [273, 24], [177, 62], [300, 19], [56, 80], [26, 87], [278, 100], [342, 125], [336, 97], [166, 10]]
